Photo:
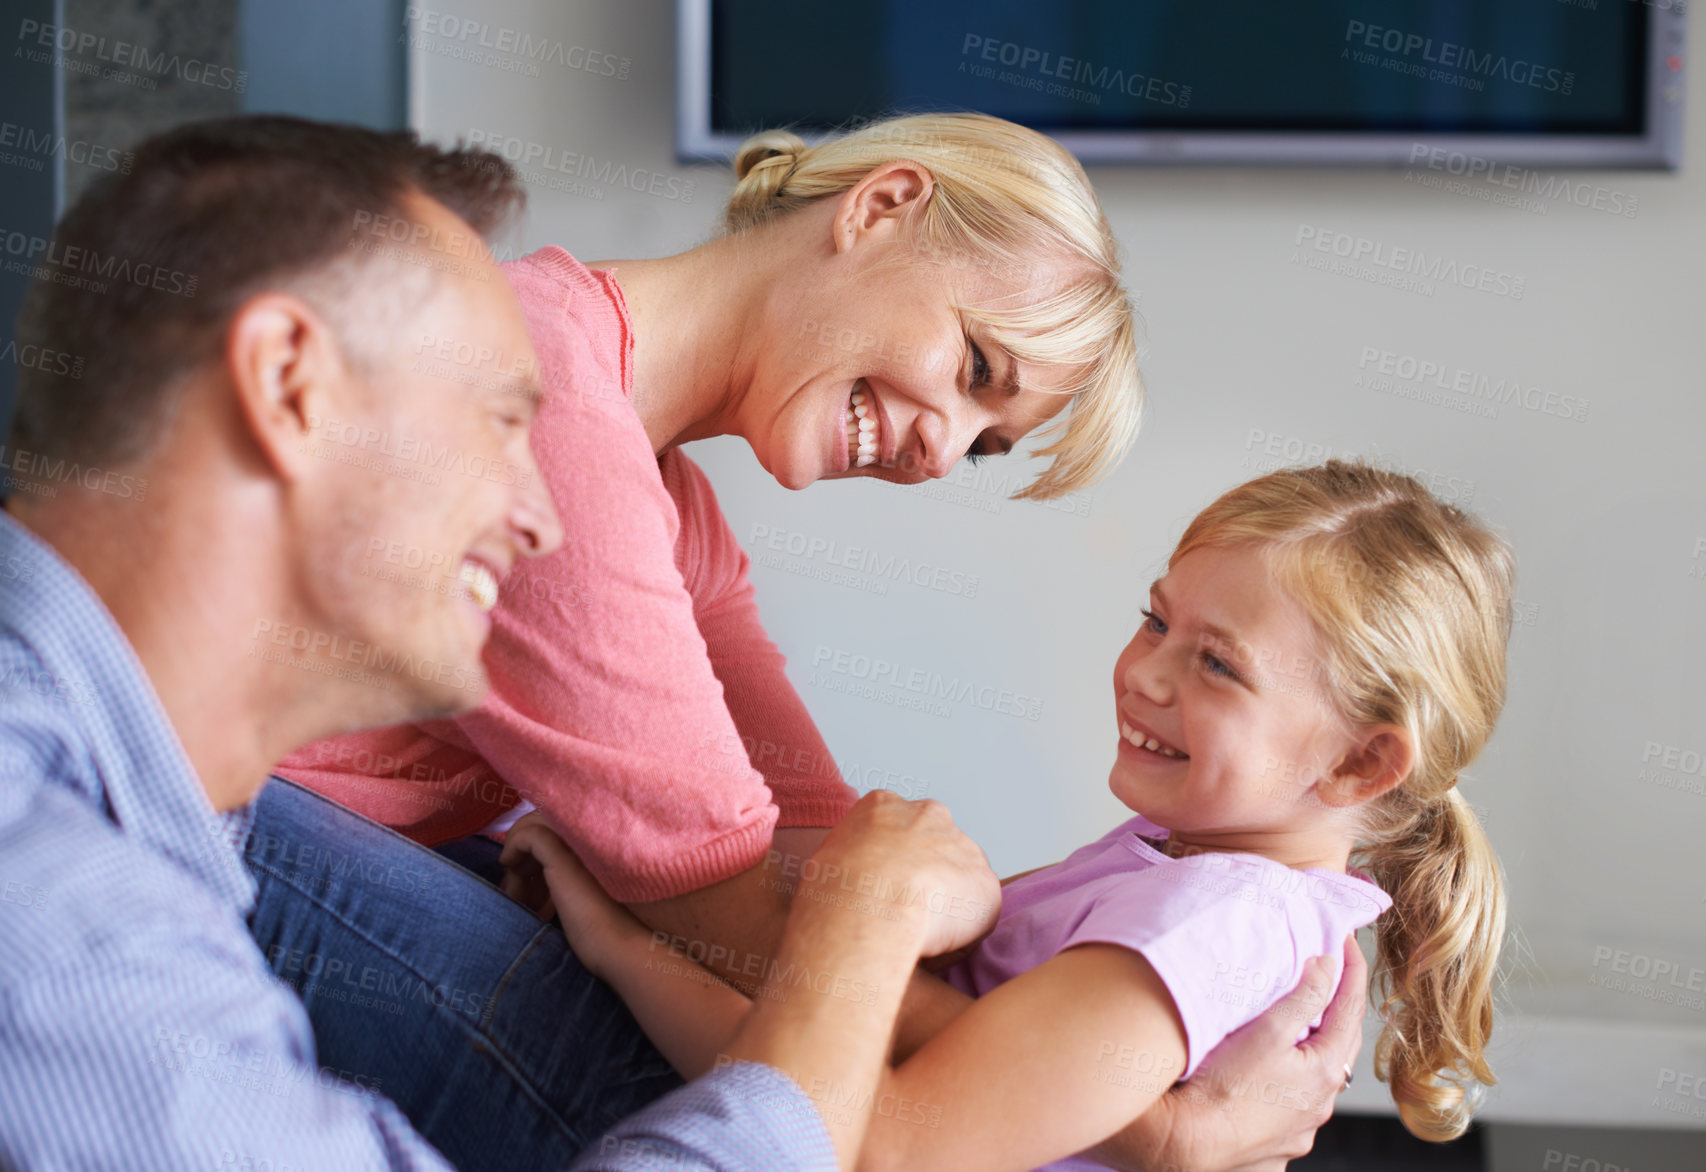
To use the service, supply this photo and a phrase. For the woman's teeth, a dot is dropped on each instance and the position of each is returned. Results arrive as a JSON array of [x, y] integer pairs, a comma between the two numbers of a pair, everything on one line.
[[482, 584], [861, 428], [1144, 741]]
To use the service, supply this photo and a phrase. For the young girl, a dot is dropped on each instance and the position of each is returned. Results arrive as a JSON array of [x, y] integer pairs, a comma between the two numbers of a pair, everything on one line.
[[1324, 655]]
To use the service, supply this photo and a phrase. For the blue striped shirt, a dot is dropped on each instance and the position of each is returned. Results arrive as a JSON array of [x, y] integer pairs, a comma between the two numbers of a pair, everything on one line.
[[140, 1027]]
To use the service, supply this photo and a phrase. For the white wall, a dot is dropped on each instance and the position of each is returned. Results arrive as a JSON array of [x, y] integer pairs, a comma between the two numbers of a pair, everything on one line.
[[1248, 348]]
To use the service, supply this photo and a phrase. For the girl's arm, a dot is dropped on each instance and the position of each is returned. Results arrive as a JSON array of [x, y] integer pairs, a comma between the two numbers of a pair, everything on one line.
[[688, 1013], [1049, 1064]]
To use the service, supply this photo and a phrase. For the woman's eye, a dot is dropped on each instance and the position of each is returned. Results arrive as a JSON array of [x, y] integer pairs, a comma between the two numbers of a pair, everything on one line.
[[979, 366], [1154, 622]]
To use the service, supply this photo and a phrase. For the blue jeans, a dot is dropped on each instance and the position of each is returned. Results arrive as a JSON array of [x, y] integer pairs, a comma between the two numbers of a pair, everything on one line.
[[428, 985]]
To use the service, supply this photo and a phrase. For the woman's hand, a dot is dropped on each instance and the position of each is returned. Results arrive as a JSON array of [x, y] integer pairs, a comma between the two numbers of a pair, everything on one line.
[[542, 873], [1259, 1097]]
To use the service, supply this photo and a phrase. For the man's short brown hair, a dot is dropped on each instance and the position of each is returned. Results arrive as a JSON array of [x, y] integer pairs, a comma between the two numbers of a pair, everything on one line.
[[143, 274]]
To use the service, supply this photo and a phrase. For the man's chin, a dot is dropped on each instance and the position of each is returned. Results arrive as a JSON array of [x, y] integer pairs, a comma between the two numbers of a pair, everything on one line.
[[441, 698], [429, 687]]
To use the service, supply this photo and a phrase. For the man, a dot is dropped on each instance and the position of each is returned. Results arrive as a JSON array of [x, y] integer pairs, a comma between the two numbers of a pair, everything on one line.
[[183, 549]]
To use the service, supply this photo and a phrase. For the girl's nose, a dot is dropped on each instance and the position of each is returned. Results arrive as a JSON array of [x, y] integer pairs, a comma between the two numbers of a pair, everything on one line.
[[1150, 675]]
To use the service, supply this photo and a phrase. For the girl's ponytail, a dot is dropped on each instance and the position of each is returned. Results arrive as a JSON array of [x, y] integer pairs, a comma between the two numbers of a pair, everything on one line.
[[1436, 960]]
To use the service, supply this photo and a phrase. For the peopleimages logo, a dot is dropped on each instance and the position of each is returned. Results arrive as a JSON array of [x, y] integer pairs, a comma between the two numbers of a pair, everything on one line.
[[1414, 262], [929, 688], [513, 50], [1043, 65], [58, 39], [1482, 388], [1525, 180], [534, 159], [859, 560], [46, 144], [1448, 56]]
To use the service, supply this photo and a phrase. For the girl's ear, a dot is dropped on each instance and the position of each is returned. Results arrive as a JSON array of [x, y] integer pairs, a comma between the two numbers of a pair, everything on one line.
[[1377, 761]]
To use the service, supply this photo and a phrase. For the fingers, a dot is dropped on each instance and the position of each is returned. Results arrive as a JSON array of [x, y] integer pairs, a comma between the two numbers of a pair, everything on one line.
[[518, 844], [525, 884], [511, 886], [535, 839], [1340, 1035], [1292, 1013]]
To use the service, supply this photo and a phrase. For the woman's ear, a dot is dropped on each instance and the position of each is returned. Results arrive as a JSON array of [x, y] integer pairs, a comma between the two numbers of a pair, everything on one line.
[[1378, 760], [878, 205]]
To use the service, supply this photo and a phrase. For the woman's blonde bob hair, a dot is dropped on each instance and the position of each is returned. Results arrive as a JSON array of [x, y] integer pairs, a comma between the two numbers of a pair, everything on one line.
[[1015, 201]]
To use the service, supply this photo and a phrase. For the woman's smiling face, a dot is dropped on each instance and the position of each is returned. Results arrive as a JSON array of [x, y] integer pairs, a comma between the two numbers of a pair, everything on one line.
[[868, 314], [1227, 678]]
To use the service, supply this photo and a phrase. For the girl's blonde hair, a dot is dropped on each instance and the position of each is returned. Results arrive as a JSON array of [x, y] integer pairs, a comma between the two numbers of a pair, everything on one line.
[[1012, 200], [1412, 599]]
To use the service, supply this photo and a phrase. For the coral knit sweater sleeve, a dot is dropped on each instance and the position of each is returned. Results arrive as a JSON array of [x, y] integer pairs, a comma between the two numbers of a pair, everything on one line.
[[633, 687]]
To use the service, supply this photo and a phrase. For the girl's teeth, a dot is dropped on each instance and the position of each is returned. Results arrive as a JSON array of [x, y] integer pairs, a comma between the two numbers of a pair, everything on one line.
[[1150, 743], [482, 585]]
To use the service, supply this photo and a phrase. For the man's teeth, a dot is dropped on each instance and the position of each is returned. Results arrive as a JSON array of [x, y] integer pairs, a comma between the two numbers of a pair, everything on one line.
[[861, 428], [482, 584], [1144, 741]]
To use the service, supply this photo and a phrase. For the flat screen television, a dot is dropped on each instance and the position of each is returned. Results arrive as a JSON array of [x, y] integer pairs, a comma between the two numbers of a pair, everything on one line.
[[1568, 83]]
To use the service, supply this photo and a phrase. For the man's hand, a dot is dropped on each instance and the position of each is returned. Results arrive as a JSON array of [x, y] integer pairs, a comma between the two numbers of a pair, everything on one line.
[[905, 860], [1257, 1099], [894, 880]]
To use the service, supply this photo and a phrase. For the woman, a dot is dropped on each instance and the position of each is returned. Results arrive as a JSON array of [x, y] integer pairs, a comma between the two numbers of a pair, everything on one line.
[[971, 264]]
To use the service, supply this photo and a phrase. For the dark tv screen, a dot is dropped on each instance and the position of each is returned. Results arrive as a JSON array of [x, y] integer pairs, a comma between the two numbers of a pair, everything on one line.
[[1498, 67]]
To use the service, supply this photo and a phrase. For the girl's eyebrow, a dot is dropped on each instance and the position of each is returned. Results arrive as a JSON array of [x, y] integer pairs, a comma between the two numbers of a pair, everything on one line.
[[1213, 630]]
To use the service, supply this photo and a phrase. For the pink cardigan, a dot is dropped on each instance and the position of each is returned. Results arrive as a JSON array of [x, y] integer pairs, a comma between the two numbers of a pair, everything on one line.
[[633, 687]]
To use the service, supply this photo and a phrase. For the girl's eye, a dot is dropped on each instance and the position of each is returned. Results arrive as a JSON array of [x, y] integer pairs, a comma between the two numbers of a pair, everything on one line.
[[1215, 666], [1154, 622]]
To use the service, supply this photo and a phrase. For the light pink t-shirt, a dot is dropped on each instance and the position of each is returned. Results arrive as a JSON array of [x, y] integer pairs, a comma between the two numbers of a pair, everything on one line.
[[1228, 934], [635, 696]]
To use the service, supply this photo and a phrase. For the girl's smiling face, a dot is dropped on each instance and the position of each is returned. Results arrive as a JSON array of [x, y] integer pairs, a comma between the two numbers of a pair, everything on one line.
[[1227, 678]]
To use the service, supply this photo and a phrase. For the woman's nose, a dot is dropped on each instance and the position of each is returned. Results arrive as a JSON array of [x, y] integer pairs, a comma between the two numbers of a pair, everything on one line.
[[943, 439], [533, 520]]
